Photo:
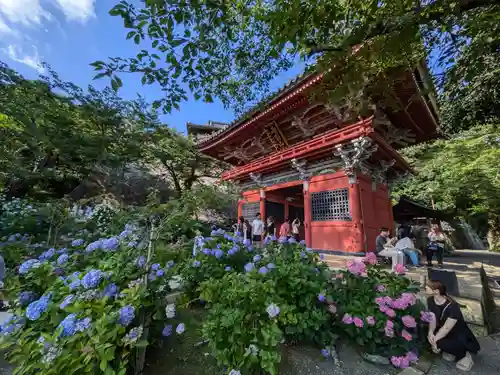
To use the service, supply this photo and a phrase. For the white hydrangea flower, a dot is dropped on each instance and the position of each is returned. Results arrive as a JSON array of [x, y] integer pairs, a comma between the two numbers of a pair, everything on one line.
[[170, 310]]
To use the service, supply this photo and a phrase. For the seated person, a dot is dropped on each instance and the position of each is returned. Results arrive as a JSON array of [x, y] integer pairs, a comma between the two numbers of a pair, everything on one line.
[[385, 248], [448, 332], [406, 246]]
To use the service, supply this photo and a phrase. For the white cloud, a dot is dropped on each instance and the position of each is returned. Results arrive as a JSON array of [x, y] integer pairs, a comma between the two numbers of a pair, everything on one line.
[[6, 29], [77, 10], [33, 61], [26, 12]]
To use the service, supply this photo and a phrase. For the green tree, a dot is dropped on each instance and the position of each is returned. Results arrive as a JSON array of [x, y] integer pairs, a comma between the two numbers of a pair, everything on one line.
[[232, 49], [461, 175]]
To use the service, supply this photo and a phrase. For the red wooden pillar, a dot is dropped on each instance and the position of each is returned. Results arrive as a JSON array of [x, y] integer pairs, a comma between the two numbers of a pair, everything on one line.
[[307, 214], [241, 202], [262, 204], [357, 217]]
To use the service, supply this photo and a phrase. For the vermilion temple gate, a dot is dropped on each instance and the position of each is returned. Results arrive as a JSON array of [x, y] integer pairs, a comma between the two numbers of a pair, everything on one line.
[[321, 163]]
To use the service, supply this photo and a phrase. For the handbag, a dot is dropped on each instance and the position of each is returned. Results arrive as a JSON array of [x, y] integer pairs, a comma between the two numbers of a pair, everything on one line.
[[433, 246]]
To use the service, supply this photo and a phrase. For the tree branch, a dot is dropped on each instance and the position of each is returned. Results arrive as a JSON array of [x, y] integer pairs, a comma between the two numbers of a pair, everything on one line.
[[419, 15]]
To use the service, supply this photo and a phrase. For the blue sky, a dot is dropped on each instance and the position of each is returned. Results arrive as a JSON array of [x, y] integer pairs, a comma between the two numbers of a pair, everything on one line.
[[70, 34]]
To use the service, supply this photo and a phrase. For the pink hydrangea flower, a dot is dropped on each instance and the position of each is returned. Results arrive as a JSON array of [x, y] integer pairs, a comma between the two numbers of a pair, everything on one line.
[[400, 362], [358, 322], [426, 316], [411, 298], [399, 304], [370, 320], [409, 321], [380, 288], [357, 268], [370, 258], [399, 269], [390, 313], [411, 357], [379, 301], [406, 335], [389, 324], [389, 332], [347, 319], [383, 308]]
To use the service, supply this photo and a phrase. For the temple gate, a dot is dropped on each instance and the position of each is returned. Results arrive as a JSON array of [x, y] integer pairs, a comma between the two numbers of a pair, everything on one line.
[[293, 157]]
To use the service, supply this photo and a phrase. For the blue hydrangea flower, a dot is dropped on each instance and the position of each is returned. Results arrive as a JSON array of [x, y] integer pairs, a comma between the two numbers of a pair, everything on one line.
[[263, 270], [196, 263], [132, 244], [127, 314], [321, 256], [155, 267], [228, 268], [273, 310], [325, 353], [134, 334], [167, 331], [140, 262], [68, 325], [249, 267], [125, 234], [271, 266], [152, 277], [78, 242], [35, 309], [160, 273], [218, 253], [321, 297], [283, 240], [26, 298], [110, 244], [302, 242], [303, 255], [63, 259], [257, 258], [46, 255], [92, 279], [180, 328], [67, 301], [74, 281], [83, 324], [110, 290], [247, 242], [206, 251], [292, 240], [93, 246], [170, 264]]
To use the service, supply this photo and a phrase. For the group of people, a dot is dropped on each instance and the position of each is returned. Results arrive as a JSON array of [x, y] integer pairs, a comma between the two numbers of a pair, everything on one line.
[[401, 246], [258, 230]]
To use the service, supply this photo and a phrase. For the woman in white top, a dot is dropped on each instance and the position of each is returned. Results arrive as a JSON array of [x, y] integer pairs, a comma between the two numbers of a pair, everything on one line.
[[435, 246], [295, 229]]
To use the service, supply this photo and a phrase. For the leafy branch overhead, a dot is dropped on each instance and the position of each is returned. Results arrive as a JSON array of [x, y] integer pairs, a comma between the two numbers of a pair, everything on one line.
[[233, 49]]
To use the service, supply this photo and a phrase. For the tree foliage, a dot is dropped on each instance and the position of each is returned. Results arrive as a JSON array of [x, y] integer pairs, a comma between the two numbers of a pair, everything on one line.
[[59, 140], [460, 175], [232, 49]]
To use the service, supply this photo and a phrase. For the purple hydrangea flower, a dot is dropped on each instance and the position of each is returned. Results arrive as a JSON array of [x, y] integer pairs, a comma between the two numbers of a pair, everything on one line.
[[67, 301], [283, 240], [93, 246], [257, 258], [271, 266], [110, 244], [228, 268], [321, 297], [167, 331], [325, 353], [68, 326], [78, 242], [35, 309], [263, 270], [292, 240], [92, 279], [218, 253], [63, 259], [110, 290], [155, 267], [28, 265], [249, 267], [160, 273], [140, 262], [196, 263], [127, 314]]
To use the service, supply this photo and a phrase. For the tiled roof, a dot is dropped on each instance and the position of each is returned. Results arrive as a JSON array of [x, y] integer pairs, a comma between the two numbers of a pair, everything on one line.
[[289, 86]]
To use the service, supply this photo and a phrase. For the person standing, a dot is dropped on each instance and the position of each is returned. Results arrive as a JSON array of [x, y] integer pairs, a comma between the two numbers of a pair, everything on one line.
[[239, 226], [296, 229], [449, 334], [384, 247], [435, 246], [257, 229], [285, 228], [271, 227]]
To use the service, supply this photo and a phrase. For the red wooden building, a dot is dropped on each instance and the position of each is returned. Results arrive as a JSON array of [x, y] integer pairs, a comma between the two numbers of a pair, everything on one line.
[[294, 157]]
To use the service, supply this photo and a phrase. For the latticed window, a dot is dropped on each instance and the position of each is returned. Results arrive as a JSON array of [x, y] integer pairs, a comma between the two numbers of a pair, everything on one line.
[[250, 210], [330, 205]]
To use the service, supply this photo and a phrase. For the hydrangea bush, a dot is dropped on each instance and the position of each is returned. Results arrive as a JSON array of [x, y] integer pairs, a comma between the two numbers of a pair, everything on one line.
[[259, 298], [379, 310], [86, 308]]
